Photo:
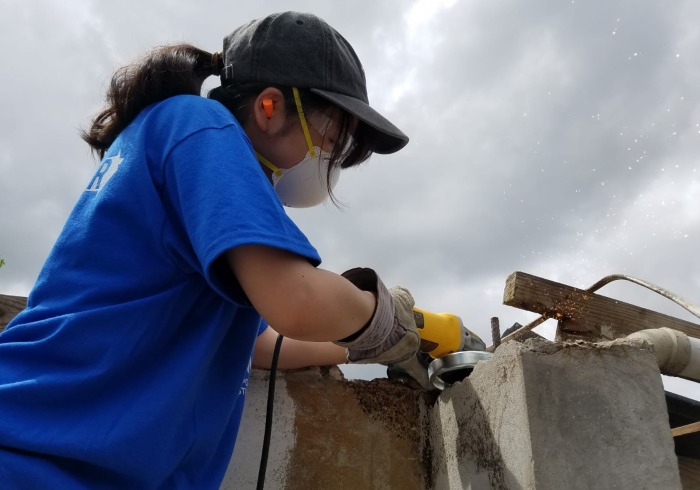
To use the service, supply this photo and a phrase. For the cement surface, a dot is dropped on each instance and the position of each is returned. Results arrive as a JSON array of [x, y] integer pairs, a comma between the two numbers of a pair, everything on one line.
[[332, 433], [243, 470], [597, 414], [536, 416], [481, 426], [542, 416]]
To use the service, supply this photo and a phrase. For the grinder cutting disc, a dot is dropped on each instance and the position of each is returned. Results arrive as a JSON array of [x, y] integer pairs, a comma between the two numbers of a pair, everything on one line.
[[450, 368]]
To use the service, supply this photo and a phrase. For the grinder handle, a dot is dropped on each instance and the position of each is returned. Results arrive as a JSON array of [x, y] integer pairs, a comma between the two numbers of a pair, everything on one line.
[[440, 333]]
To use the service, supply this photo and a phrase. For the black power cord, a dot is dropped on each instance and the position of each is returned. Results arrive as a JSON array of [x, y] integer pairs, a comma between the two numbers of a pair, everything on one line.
[[268, 415]]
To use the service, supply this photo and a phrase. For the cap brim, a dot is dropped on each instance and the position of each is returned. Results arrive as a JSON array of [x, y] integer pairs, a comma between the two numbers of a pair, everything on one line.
[[390, 139]]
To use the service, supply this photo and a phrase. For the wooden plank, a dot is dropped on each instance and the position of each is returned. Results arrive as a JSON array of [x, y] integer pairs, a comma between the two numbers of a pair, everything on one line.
[[584, 315], [9, 307], [686, 429], [689, 469]]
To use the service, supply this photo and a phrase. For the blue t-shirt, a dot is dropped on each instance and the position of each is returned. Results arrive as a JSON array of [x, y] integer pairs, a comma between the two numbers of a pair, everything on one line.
[[129, 367]]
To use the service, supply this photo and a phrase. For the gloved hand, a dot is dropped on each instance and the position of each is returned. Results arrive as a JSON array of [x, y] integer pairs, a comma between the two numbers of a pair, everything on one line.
[[391, 336]]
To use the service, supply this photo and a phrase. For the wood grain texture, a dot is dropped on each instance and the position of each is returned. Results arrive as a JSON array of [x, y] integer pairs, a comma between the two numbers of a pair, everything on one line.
[[686, 429], [584, 315], [9, 307]]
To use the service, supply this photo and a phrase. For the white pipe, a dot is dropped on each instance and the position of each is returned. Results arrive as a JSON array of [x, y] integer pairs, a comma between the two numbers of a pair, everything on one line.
[[676, 353]]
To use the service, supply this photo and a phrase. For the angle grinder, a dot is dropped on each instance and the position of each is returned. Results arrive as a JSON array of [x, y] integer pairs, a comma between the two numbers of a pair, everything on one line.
[[449, 351]]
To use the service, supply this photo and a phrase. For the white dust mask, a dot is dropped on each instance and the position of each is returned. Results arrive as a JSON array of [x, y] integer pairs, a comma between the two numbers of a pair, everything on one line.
[[307, 183]]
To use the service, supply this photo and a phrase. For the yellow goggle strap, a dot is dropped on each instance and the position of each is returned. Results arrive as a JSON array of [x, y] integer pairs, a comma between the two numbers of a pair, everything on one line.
[[269, 164], [304, 126]]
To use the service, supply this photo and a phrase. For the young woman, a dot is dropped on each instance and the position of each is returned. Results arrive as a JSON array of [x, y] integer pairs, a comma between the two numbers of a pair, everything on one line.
[[129, 366]]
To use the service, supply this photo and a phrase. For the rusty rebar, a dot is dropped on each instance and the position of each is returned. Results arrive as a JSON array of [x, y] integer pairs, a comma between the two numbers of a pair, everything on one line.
[[495, 332]]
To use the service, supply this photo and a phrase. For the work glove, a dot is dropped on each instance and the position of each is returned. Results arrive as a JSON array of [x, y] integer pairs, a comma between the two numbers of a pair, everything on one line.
[[391, 335]]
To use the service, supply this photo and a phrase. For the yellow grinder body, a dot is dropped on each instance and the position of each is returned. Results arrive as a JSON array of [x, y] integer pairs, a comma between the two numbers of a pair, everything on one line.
[[440, 333]]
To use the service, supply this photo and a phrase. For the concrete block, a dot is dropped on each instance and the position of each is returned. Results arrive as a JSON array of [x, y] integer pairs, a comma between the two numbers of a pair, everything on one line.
[[542, 416], [332, 433], [478, 430]]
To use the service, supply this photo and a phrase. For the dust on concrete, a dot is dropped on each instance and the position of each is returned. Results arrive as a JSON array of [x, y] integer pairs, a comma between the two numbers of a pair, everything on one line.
[[476, 441], [622, 346], [394, 405], [400, 408], [355, 434]]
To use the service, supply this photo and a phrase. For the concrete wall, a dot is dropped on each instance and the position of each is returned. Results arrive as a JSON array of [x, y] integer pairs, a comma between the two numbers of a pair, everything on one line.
[[536, 416], [546, 416], [332, 433]]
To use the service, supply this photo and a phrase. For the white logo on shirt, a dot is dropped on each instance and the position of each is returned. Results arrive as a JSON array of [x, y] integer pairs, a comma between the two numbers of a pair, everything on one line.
[[244, 385], [106, 171]]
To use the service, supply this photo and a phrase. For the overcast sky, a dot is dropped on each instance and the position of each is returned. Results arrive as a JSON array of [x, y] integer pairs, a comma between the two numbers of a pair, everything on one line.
[[558, 138]]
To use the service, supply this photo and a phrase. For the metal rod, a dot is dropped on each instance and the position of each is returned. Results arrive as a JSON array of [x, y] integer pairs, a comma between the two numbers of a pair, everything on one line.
[[495, 332]]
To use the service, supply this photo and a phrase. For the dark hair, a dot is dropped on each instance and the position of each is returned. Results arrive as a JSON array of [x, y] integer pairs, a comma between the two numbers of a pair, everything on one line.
[[163, 72], [237, 99], [181, 69]]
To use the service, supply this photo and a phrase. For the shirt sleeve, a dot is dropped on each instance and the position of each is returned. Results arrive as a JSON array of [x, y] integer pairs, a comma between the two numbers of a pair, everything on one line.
[[223, 200]]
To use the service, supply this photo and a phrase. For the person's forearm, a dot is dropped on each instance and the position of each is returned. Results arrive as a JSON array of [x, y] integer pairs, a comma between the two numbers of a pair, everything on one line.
[[295, 354], [301, 301]]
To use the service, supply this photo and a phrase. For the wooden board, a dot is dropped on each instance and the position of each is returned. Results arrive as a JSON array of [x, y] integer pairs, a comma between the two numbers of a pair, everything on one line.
[[689, 469], [584, 315], [686, 429], [9, 307]]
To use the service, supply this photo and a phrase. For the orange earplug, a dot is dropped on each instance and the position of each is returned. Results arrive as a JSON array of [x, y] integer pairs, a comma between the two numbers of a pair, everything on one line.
[[267, 107]]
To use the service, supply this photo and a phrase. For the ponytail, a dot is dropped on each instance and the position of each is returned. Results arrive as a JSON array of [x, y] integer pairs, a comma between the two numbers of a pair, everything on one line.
[[164, 72]]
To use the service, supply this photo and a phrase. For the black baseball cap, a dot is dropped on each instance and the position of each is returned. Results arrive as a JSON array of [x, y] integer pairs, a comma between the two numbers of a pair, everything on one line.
[[301, 50]]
